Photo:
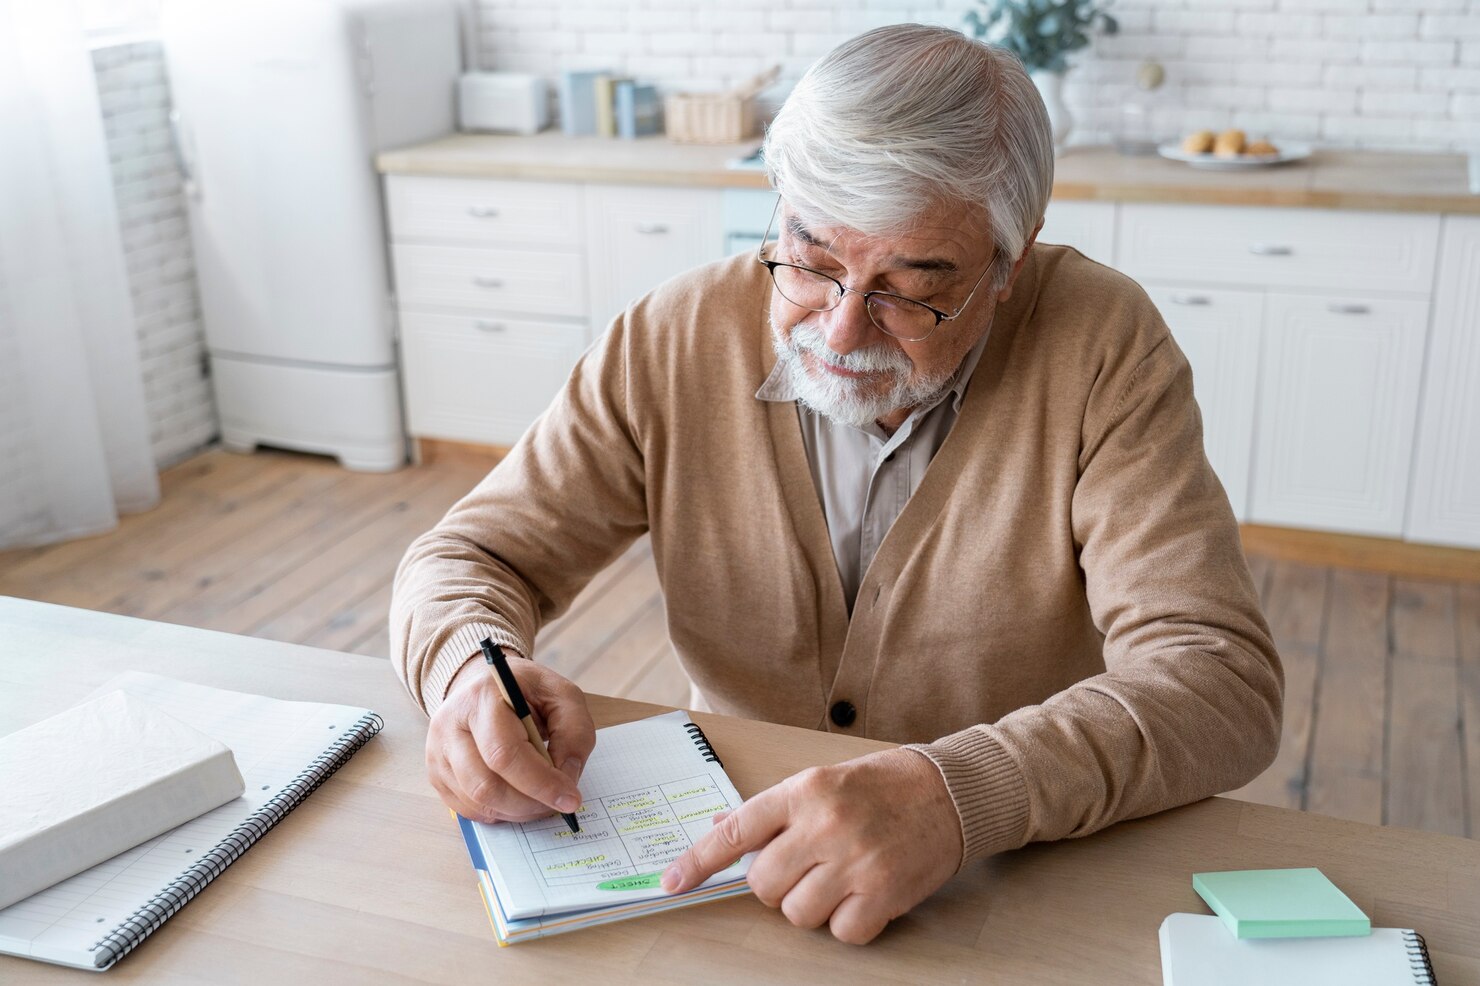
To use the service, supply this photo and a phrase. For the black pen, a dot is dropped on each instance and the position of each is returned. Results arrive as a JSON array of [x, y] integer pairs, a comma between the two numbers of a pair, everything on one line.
[[509, 689]]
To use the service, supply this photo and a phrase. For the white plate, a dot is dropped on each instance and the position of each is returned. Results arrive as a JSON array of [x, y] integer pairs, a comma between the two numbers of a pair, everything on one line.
[[1289, 150]]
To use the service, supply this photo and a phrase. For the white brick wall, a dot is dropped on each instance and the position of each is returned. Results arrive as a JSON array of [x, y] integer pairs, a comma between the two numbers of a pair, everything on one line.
[[1387, 74], [134, 94]]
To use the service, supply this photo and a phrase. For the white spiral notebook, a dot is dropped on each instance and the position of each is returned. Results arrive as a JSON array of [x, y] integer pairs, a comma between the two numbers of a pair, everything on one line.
[[1199, 950], [284, 751]]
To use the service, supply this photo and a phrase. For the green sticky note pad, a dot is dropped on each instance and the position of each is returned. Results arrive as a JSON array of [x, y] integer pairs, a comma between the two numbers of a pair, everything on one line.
[[1298, 903]]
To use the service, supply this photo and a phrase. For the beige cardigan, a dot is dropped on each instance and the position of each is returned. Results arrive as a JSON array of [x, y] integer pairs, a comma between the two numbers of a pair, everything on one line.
[[1062, 614]]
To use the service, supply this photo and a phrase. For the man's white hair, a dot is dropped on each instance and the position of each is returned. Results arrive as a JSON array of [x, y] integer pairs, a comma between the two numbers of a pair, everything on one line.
[[908, 117]]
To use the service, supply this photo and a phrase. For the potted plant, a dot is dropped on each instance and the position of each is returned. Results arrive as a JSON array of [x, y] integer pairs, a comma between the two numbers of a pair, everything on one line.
[[1041, 33]]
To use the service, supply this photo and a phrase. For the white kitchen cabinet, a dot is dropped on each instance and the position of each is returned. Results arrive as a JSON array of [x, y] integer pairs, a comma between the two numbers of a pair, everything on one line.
[[1088, 227], [1445, 498], [1341, 341], [1339, 382], [492, 297], [501, 285], [1218, 329], [482, 379], [1306, 328], [640, 236]]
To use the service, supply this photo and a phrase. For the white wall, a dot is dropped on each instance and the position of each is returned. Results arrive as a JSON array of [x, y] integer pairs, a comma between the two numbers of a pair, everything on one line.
[[135, 99], [1396, 74]]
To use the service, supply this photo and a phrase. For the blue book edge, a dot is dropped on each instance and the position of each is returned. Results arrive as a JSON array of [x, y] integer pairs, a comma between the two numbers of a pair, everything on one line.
[[471, 838]]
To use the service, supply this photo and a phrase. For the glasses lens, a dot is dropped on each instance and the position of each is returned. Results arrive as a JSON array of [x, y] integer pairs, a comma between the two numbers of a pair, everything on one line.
[[901, 317], [805, 288]]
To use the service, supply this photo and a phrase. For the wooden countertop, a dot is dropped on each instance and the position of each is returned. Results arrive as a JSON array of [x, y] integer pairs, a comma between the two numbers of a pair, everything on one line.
[[1328, 179], [368, 879]]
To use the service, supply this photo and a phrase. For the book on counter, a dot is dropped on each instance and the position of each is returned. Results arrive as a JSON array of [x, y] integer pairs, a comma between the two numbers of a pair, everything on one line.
[[578, 102], [638, 110]]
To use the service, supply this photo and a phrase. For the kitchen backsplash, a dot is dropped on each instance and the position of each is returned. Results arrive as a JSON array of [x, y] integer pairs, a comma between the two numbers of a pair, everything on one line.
[[134, 94], [1391, 74]]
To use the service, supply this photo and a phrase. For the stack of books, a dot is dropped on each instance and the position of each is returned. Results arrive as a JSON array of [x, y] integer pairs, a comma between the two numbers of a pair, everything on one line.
[[605, 104]]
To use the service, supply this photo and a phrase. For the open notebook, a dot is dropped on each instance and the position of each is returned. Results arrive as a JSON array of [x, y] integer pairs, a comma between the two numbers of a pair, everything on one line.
[[650, 789], [284, 751]]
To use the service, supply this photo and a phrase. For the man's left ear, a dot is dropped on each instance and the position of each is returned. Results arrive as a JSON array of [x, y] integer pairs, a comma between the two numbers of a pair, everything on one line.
[[1017, 268]]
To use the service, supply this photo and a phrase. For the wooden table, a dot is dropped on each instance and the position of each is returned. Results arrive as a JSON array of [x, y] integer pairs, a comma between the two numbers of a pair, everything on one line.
[[368, 880]]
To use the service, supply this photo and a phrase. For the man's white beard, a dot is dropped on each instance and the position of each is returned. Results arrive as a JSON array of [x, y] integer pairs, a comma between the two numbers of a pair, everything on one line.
[[858, 402]]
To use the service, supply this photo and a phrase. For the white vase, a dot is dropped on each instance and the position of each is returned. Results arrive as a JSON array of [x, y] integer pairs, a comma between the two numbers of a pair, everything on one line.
[[1060, 120]]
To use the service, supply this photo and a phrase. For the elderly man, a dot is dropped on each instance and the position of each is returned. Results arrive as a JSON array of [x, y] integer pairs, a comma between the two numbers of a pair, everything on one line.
[[907, 476]]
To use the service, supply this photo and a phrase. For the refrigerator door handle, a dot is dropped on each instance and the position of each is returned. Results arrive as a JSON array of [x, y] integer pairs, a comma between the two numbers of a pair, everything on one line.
[[188, 181]]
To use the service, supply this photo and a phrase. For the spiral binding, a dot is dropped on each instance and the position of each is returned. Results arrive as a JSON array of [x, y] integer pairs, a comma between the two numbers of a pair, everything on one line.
[[702, 742], [159, 908], [1418, 958]]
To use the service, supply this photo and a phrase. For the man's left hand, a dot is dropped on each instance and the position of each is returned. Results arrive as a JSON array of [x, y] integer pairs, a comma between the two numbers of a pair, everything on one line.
[[852, 846]]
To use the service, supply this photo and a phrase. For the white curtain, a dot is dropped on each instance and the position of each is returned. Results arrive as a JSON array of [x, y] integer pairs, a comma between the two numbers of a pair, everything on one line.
[[74, 439]]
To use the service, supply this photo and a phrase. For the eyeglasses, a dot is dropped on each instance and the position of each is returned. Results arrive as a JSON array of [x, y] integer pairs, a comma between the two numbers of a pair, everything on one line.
[[903, 318]]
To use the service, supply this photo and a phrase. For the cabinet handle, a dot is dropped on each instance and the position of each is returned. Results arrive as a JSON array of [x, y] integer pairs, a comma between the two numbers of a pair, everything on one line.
[[1269, 250], [483, 212], [652, 228], [1338, 308], [1191, 299], [487, 282], [486, 325]]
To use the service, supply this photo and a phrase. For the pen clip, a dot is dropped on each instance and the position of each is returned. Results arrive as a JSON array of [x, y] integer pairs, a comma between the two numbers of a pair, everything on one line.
[[507, 685]]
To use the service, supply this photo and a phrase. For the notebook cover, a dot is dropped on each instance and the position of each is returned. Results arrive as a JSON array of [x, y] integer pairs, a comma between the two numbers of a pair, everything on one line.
[[1286, 903]]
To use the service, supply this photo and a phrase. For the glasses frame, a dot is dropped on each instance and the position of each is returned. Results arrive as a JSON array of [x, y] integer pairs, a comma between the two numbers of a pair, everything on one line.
[[867, 296]]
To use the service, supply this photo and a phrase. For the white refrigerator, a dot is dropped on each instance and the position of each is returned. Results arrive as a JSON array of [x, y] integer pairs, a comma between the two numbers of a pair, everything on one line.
[[280, 108]]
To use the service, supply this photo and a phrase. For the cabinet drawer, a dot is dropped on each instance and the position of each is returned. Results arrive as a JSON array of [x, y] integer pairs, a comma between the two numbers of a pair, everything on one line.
[[551, 282], [481, 211], [1290, 248], [482, 380]]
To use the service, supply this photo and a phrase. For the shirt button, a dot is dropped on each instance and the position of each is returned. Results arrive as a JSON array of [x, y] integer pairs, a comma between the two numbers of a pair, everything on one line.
[[843, 714]]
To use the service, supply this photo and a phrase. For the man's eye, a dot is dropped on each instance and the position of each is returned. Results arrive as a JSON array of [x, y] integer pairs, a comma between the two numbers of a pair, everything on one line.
[[813, 264]]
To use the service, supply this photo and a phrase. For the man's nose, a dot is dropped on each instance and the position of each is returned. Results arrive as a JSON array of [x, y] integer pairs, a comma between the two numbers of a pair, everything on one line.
[[848, 326]]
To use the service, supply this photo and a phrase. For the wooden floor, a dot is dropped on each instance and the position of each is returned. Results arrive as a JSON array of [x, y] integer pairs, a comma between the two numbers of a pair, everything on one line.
[[1382, 718]]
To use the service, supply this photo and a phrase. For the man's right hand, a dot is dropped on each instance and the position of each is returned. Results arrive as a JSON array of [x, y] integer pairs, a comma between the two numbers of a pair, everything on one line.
[[480, 760]]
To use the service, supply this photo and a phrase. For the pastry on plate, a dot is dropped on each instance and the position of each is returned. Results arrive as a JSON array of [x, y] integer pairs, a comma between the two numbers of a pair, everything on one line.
[[1200, 142], [1261, 148], [1230, 143]]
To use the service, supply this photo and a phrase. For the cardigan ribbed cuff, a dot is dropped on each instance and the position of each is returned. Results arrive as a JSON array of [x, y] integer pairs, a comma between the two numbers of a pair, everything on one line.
[[460, 648], [987, 787]]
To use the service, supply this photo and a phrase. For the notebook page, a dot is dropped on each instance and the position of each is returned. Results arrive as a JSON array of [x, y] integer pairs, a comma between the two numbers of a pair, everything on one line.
[[648, 794], [1199, 950], [273, 742]]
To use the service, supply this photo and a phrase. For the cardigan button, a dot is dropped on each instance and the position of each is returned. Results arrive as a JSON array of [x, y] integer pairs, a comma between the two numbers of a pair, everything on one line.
[[843, 714]]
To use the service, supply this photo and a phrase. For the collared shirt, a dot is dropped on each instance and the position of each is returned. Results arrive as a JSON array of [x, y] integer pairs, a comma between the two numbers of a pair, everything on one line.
[[864, 476]]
